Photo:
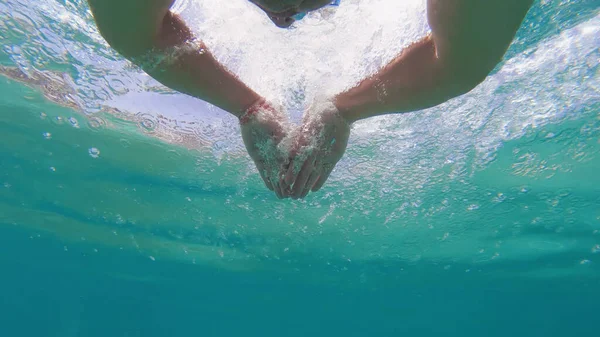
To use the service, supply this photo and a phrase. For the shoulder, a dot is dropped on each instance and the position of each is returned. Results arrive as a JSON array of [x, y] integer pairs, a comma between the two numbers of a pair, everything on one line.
[[129, 25]]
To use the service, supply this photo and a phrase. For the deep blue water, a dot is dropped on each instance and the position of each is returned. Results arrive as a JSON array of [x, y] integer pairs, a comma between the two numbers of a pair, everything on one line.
[[49, 292]]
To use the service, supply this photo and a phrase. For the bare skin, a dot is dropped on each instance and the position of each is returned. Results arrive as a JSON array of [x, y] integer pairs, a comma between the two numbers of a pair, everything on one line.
[[468, 39], [144, 31]]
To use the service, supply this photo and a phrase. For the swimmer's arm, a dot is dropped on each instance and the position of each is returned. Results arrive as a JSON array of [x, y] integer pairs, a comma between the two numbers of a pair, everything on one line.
[[138, 29], [469, 38]]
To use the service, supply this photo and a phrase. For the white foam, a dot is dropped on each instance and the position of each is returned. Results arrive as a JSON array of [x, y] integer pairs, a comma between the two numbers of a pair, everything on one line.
[[320, 55]]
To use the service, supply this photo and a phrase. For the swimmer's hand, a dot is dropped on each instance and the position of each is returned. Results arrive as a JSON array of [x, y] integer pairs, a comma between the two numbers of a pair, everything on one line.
[[318, 145], [263, 127]]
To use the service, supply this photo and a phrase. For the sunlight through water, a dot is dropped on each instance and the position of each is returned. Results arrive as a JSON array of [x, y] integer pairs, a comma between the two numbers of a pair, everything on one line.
[[505, 173]]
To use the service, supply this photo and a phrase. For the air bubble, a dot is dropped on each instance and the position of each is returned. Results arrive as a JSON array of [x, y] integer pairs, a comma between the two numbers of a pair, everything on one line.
[[147, 123], [58, 120], [96, 123], [473, 207], [499, 198], [94, 152], [74, 122], [124, 143]]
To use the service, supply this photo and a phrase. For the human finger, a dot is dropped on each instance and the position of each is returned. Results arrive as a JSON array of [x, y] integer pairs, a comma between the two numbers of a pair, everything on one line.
[[283, 173], [263, 174], [289, 176], [305, 172], [294, 161], [286, 190], [322, 179], [314, 176], [283, 191], [277, 190], [277, 187], [310, 183]]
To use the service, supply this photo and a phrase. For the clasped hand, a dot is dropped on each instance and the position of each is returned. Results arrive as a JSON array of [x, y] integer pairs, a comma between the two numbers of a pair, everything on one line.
[[294, 161]]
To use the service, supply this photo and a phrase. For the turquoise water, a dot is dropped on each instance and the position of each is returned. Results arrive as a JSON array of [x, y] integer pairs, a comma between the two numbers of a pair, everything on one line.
[[130, 210]]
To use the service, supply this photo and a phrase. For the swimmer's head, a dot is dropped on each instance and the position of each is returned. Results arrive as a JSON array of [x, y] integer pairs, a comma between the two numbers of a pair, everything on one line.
[[282, 12]]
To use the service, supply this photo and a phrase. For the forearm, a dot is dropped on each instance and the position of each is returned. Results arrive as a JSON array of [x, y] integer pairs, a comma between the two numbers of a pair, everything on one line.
[[160, 42], [190, 68], [469, 38], [415, 80]]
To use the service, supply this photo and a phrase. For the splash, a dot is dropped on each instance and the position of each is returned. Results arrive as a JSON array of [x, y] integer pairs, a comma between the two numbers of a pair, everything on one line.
[[323, 54]]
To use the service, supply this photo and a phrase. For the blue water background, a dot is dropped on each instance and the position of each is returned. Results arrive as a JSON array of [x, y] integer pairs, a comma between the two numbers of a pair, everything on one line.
[[46, 292], [61, 277]]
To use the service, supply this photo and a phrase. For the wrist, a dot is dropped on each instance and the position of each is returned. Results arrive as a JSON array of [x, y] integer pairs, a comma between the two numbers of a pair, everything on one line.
[[243, 101], [251, 112], [343, 107], [360, 102], [351, 108]]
